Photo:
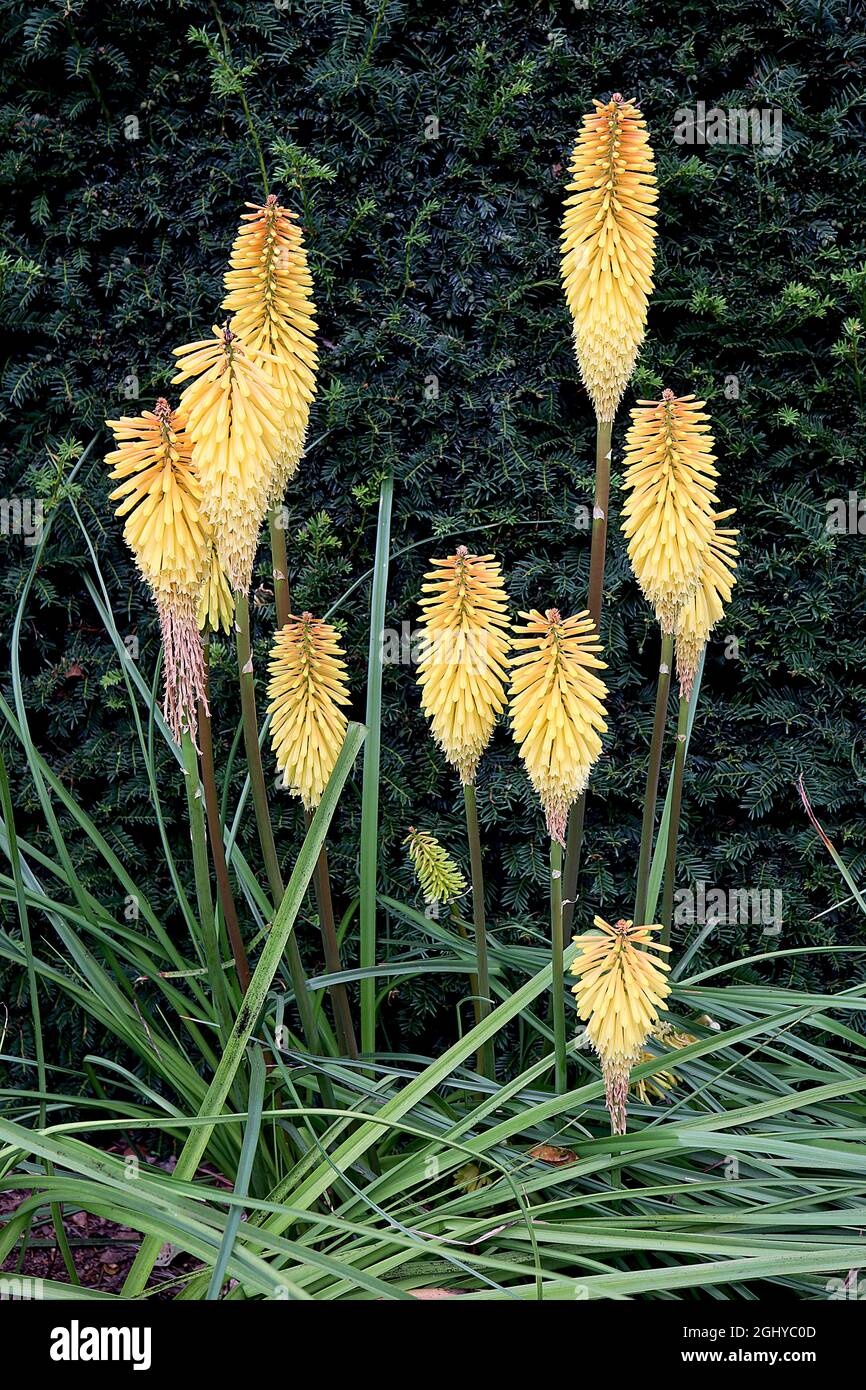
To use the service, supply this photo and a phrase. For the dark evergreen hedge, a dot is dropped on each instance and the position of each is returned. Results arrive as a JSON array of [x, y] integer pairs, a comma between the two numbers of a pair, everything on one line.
[[425, 147]]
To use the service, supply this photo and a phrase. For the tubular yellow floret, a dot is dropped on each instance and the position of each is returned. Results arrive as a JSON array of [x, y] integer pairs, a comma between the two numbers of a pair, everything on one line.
[[269, 294], [705, 605], [608, 247], [216, 605], [233, 418], [160, 497], [306, 691], [464, 651], [668, 516], [557, 708], [620, 989]]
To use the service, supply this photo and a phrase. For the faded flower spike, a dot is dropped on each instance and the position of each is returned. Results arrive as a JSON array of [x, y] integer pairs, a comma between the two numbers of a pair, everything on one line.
[[557, 708], [656, 1086], [705, 605], [620, 989], [463, 657], [216, 605], [438, 876], [608, 246], [234, 420], [161, 499], [306, 691], [668, 516], [269, 293]]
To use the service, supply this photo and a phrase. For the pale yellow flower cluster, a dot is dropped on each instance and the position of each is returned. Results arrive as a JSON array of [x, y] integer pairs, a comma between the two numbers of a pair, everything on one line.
[[608, 247], [556, 699], [269, 294], [557, 708], [307, 690], [197, 482], [464, 655], [683, 561], [620, 989], [160, 497]]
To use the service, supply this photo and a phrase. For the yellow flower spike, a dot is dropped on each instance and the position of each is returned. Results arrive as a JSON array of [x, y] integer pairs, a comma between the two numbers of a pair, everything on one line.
[[620, 989], [705, 605], [160, 497], [462, 667], [557, 708], [608, 247], [438, 876], [234, 418], [668, 516], [216, 605], [269, 294], [306, 691]]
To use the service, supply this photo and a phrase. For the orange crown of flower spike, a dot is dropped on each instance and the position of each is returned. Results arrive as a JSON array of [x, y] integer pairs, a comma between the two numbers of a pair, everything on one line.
[[608, 247], [620, 988], [269, 293], [161, 499], [557, 708], [463, 661], [306, 691], [668, 515]]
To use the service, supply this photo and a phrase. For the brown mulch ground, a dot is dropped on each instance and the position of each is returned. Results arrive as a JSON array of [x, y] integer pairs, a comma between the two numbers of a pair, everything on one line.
[[102, 1251]]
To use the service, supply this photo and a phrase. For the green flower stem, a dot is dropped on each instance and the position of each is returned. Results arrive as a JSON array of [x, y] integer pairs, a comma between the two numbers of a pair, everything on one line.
[[597, 550], [461, 930], [344, 1026], [674, 822], [201, 869], [557, 952], [598, 544], [369, 851], [214, 825], [485, 1061], [280, 565], [263, 815], [652, 778]]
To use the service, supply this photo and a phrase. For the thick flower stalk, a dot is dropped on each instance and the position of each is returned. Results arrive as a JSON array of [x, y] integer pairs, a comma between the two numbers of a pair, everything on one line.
[[608, 247], [464, 651], [705, 604], [234, 418], [557, 708], [216, 605], [438, 876], [668, 517], [306, 691], [269, 294], [620, 989], [160, 497]]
